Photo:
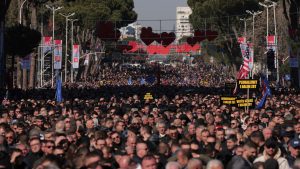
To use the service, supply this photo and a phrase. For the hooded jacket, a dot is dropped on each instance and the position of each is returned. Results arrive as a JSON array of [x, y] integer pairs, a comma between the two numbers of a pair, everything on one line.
[[283, 163]]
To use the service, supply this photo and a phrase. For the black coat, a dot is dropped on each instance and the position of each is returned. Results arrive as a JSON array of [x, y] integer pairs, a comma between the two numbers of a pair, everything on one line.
[[238, 162]]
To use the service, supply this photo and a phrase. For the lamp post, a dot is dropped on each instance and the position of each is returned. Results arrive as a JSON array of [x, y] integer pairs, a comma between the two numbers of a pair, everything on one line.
[[245, 25], [267, 7], [20, 11], [53, 9], [66, 47], [254, 14], [274, 4], [72, 43]]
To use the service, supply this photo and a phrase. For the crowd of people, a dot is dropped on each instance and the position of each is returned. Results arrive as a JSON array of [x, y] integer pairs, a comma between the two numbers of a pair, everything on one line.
[[200, 74], [172, 131]]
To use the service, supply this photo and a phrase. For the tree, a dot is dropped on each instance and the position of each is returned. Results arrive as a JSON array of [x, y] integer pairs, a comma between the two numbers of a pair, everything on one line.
[[90, 12], [21, 41], [291, 12], [222, 15], [33, 20]]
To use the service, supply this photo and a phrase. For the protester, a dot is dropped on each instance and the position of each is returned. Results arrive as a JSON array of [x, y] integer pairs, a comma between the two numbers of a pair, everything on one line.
[[118, 127]]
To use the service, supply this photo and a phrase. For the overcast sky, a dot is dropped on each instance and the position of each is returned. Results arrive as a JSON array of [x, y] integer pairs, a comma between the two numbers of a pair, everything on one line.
[[158, 10]]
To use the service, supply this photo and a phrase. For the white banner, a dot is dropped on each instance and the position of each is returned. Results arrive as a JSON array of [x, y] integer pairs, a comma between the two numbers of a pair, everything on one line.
[[57, 54], [75, 56]]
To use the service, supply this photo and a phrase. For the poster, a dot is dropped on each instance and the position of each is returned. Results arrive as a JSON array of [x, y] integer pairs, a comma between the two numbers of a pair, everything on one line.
[[75, 57], [57, 54]]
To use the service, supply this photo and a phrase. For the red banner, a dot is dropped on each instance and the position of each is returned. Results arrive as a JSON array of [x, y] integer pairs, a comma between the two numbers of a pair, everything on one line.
[[75, 57], [57, 54]]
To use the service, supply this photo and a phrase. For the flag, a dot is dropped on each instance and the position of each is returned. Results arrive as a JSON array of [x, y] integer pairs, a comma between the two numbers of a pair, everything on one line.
[[245, 67], [150, 79], [129, 81], [266, 91], [58, 90], [143, 81], [246, 61]]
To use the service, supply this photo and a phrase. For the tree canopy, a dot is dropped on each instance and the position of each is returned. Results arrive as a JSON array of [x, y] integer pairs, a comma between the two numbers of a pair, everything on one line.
[[90, 11], [222, 16], [21, 40]]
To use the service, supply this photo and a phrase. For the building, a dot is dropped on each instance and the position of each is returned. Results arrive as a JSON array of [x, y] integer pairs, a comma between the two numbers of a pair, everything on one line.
[[132, 30], [183, 26]]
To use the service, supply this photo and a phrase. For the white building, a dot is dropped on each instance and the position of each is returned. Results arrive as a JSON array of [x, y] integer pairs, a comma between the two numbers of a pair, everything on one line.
[[183, 26], [135, 32]]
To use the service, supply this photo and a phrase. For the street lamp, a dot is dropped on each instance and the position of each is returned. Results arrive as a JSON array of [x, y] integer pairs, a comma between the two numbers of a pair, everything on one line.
[[20, 11], [72, 43], [53, 9], [274, 4], [267, 7], [253, 27], [66, 53], [245, 25], [253, 21]]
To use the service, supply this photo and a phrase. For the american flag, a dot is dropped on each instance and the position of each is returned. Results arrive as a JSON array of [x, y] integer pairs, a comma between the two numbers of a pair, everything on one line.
[[245, 68]]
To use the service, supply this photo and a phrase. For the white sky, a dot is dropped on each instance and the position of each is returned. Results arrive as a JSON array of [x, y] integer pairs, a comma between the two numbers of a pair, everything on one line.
[[156, 10]]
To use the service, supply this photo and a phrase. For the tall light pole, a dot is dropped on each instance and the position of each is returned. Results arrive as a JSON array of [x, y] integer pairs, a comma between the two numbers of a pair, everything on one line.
[[254, 14], [20, 11], [267, 7], [67, 16], [245, 25], [53, 9], [274, 4], [72, 43]]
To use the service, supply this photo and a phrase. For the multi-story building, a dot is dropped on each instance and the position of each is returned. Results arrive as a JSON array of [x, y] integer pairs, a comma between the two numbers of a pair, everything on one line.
[[183, 26]]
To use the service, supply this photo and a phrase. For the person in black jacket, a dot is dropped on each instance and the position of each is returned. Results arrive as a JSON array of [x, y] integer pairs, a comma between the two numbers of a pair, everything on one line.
[[35, 152], [244, 161], [294, 151]]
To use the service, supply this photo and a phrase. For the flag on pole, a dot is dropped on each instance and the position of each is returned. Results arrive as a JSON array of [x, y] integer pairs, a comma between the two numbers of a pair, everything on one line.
[[143, 81], [58, 90], [130, 81], [247, 60], [266, 91]]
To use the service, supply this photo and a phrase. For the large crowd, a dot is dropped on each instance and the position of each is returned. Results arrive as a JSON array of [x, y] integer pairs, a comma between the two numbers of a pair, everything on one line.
[[105, 122], [179, 131], [200, 74]]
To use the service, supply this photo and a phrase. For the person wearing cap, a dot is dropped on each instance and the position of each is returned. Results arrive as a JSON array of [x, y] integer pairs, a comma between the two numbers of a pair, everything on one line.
[[271, 150], [294, 151]]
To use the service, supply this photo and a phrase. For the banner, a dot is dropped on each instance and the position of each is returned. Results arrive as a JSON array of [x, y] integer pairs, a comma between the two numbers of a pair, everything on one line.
[[245, 102], [75, 56], [227, 100], [241, 40], [148, 96], [25, 62], [46, 44], [248, 84], [57, 54]]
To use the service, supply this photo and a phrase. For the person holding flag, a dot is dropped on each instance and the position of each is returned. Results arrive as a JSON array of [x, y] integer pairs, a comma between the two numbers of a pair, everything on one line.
[[266, 91]]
